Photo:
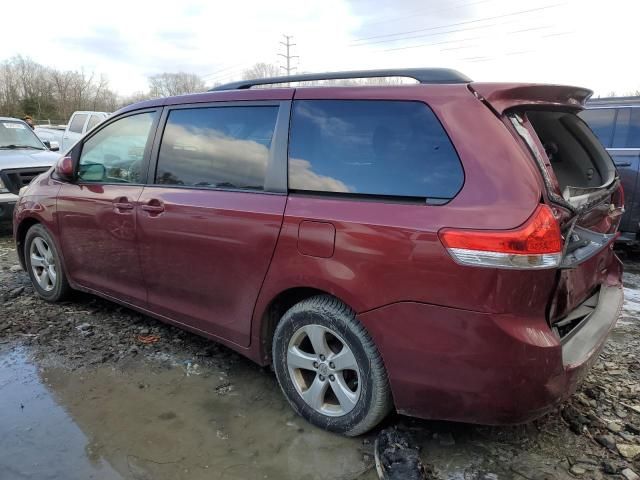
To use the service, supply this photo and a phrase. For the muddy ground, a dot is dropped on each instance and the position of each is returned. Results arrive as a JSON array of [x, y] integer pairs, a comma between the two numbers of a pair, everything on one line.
[[83, 396]]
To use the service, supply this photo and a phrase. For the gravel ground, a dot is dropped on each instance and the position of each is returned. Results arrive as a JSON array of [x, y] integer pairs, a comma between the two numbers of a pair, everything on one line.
[[594, 435]]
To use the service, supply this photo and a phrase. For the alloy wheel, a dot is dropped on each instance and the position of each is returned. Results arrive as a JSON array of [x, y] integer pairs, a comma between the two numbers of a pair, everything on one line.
[[324, 370], [43, 264]]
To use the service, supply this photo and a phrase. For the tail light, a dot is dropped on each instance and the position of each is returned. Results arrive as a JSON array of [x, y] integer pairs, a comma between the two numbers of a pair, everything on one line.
[[536, 244]]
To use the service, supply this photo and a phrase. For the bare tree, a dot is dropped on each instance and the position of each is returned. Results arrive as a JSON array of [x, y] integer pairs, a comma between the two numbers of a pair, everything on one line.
[[170, 84], [261, 70], [26, 87]]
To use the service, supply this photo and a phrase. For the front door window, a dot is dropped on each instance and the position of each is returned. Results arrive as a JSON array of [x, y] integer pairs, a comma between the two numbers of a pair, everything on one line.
[[115, 154]]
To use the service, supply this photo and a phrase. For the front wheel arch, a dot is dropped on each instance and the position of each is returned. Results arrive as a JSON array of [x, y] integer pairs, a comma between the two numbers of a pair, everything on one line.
[[60, 285], [20, 235]]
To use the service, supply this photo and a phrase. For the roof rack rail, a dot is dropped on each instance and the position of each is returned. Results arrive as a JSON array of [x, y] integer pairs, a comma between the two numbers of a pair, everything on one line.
[[422, 75]]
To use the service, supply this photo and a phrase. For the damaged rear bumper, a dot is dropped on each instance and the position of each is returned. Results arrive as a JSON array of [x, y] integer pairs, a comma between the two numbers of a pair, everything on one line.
[[451, 364]]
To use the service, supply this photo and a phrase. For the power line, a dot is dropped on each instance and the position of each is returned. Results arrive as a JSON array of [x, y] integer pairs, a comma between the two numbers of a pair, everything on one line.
[[222, 71], [430, 44], [417, 13], [408, 32], [287, 56]]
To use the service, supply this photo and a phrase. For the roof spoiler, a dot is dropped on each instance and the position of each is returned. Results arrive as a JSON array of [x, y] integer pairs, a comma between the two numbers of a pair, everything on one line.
[[503, 96]]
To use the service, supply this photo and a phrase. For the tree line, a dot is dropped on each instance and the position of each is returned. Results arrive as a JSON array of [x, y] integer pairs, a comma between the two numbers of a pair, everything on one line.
[[51, 95], [29, 88]]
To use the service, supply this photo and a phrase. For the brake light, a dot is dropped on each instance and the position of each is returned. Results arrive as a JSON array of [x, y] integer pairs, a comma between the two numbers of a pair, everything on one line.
[[536, 244]]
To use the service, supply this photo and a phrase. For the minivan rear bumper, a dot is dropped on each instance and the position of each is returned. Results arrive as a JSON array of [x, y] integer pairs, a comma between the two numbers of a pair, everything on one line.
[[451, 364]]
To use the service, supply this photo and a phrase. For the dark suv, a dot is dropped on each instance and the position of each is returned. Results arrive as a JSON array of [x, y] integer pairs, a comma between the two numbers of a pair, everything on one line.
[[444, 248], [616, 122]]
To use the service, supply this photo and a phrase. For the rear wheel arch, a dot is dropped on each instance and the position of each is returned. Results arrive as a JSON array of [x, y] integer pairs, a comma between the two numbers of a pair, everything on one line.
[[276, 308]]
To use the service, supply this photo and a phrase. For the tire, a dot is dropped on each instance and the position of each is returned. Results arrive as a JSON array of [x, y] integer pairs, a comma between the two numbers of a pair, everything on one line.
[[42, 260], [328, 394]]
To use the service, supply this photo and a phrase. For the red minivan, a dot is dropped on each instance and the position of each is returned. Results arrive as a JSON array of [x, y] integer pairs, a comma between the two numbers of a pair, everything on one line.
[[444, 249]]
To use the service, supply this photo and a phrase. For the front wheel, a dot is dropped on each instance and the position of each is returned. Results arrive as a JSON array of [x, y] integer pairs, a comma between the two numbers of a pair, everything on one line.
[[44, 265], [329, 368]]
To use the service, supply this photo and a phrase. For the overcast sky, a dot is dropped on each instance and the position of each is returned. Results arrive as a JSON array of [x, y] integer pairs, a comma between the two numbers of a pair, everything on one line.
[[590, 43]]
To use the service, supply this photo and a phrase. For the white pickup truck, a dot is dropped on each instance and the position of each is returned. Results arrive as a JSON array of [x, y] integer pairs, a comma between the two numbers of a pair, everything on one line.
[[66, 135]]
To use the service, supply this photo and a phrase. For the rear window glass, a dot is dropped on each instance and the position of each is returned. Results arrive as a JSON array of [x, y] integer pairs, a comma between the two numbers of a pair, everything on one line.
[[77, 122], [601, 121], [373, 147], [217, 147]]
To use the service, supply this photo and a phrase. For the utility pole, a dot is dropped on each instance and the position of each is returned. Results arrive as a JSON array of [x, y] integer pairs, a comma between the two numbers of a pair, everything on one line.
[[287, 44]]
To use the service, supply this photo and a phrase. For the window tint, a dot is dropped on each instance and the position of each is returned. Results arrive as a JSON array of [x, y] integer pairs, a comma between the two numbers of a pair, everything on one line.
[[621, 132], [115, 153], [601, 121], [77, 122], [390, 148], [93, 121], [223, 147], [633, 137]]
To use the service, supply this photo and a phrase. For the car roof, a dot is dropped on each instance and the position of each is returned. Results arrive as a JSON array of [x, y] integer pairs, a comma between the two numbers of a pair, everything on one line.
[[614, 102]]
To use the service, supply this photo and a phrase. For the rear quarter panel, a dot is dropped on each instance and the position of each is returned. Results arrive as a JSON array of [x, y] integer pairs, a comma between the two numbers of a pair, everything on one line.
[[387, 252]]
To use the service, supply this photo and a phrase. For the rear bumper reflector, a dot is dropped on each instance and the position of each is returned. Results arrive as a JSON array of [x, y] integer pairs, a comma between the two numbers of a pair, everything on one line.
[[480, 258]]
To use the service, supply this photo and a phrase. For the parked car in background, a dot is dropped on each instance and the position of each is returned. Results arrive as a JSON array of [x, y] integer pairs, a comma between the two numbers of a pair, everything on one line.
[[444, 249], [66, 135], [23, 156], [616, 122]]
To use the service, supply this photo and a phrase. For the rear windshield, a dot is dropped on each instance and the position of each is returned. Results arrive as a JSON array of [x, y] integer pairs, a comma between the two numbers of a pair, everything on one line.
[[578, 159]]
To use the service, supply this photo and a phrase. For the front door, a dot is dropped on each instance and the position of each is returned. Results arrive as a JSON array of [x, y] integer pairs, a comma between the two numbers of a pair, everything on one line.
[[208, 225], [96, 213]]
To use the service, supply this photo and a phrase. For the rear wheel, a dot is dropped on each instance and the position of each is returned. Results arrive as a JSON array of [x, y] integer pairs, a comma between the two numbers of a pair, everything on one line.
[[44, 265], [329, 368]]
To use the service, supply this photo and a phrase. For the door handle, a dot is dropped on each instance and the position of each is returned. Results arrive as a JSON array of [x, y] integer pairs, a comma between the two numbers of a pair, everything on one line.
[[153, 206], [122, 203]]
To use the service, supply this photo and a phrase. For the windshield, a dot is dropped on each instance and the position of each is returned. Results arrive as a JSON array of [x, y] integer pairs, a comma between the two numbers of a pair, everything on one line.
[[18, 135]]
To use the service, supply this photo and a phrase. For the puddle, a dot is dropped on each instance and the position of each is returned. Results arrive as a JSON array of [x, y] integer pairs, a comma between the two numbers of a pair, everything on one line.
[[151, 422]]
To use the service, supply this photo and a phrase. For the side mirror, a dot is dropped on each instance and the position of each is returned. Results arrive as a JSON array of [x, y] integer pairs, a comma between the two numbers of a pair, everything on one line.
[[53, 145], [64, 168]]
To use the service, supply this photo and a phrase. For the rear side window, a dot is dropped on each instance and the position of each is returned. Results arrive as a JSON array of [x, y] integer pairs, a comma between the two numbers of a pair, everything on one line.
[[601, 121], [93, 121], [633, 137], [77, 122], [217, 147], [372, 147]]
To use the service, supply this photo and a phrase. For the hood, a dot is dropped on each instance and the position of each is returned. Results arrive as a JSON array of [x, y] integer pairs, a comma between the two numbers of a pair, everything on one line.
[[10, 159]]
